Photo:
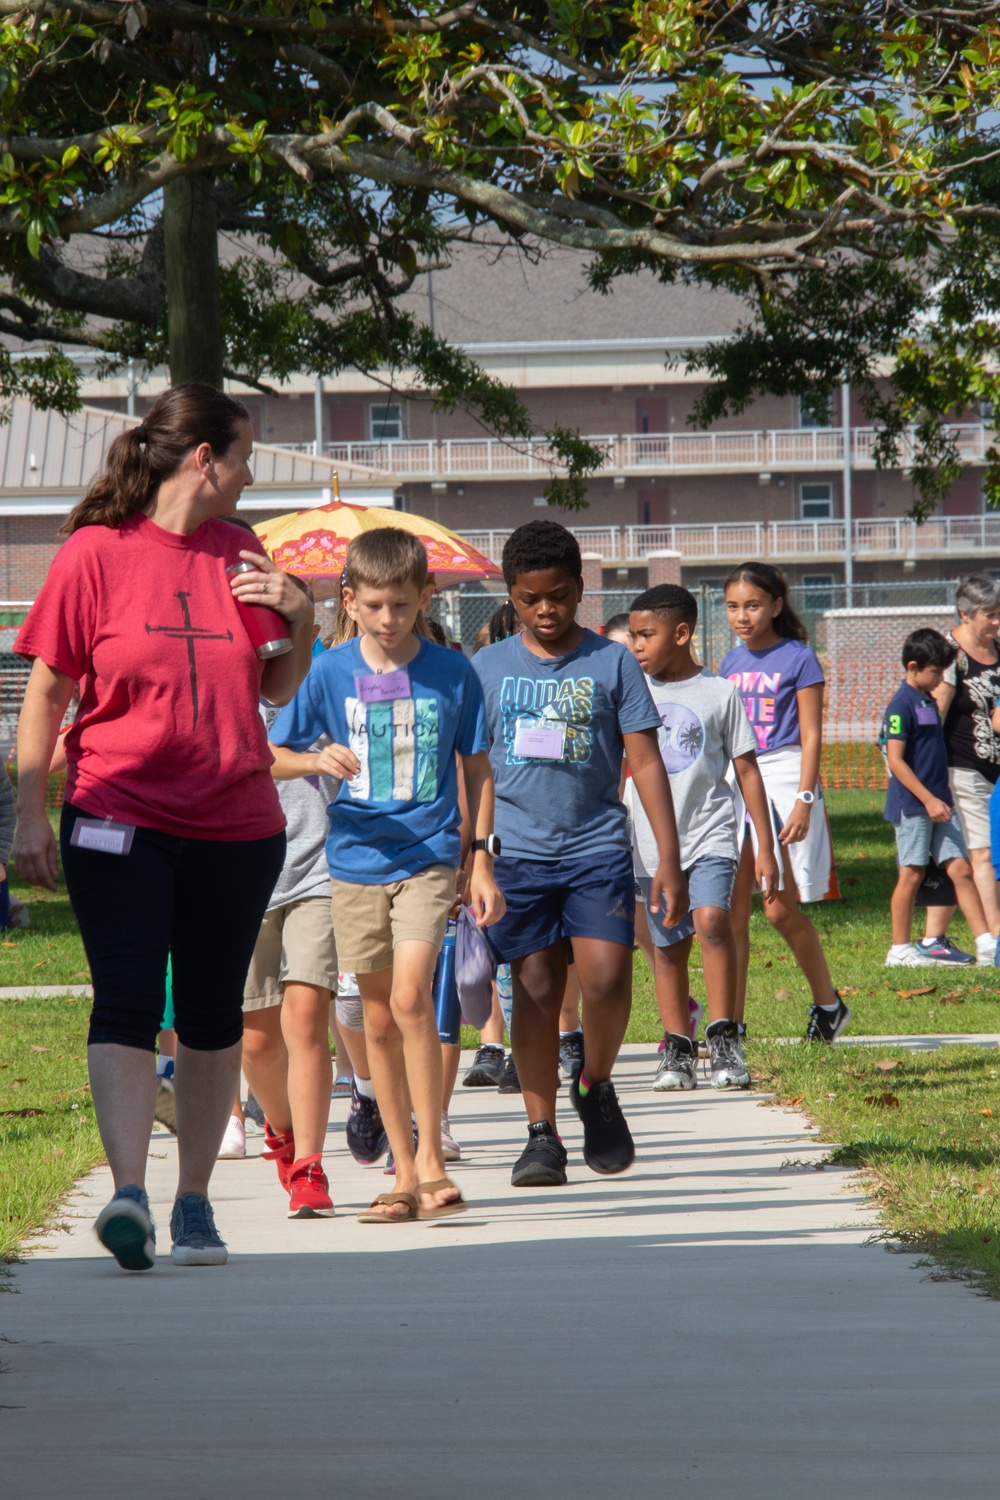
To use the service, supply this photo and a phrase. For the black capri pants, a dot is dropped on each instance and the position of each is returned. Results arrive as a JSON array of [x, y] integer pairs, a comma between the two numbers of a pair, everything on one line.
[[199, 902]]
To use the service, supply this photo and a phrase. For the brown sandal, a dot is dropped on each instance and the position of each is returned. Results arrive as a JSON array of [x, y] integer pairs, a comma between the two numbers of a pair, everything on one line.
[[442, 1210], [367, 1216]]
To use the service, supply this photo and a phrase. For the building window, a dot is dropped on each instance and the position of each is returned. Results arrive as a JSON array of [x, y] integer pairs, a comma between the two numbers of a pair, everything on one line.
[[809, 419], [541, 502], [816, 502], [385, 423]]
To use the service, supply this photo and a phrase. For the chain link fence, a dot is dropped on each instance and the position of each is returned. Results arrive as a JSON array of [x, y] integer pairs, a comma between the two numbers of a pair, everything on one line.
[[858, 634]]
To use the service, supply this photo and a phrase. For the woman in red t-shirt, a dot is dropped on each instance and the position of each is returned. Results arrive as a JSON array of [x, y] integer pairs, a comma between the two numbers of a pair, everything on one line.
[[172, 836]]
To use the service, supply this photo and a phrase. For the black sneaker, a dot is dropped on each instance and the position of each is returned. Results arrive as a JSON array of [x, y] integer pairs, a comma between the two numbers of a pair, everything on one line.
[[542, 1163], [366, 1137], [570, 1054], [725, 1056], [608, 1146], [509, 1081], [486, 1069], [197, 1242], [125, 1227], [678, 1067], [826, 1025], [253, 1111]]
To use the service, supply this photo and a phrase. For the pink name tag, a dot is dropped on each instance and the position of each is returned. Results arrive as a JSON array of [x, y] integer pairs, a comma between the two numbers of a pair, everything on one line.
[[536, 740], [383, 687]]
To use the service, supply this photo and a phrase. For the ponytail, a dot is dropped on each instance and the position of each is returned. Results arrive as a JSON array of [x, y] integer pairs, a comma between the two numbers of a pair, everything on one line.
[[762, 576], [140, 459]]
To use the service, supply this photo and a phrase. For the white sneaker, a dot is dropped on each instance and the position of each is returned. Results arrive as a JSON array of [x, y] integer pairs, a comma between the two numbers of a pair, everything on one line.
[[909, 957], [450, 1148], [987, 948], [234, 1142]]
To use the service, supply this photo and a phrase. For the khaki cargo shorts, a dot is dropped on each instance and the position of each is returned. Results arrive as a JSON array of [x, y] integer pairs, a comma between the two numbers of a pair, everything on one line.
[[295, 945], [369, 920]]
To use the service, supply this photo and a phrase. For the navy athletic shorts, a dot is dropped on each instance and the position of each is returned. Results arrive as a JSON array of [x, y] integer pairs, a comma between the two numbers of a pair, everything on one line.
[[552, 899]]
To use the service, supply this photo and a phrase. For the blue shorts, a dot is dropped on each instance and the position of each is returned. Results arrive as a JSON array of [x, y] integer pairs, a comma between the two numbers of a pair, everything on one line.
[[553, 899], [918, 838], [710, 883]]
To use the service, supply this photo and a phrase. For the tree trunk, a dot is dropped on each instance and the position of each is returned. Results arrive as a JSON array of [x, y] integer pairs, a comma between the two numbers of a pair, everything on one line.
[[191, 250]]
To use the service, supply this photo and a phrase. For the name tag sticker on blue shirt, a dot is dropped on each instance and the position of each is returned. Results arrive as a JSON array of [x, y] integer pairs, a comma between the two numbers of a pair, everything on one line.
[[926, 713], [537, 739], [106, 838], [383, 687]]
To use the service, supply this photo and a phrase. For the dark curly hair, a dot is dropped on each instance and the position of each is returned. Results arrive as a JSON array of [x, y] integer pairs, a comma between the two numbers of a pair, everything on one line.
[[539, 545]]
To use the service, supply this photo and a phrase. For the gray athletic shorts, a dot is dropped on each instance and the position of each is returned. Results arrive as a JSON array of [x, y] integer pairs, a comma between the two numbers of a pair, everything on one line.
[[918, 838], [710, 883]]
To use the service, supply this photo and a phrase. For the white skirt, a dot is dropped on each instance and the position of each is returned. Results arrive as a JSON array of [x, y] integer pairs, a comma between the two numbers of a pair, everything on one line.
[[812, 857]]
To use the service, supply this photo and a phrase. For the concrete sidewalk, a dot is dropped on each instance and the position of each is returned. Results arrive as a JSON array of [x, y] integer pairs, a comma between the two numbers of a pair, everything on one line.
[[712, 1322]]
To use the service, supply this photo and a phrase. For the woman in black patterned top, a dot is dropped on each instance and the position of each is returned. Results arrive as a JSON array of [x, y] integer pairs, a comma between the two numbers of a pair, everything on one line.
[[966, 699]]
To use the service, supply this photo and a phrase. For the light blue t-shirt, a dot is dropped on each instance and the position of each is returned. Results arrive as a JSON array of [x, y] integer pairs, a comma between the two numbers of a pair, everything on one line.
[[400, 813], [566, 808]]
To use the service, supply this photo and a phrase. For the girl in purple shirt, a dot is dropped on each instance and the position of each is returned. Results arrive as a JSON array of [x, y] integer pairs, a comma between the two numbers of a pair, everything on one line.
[[781, 683]]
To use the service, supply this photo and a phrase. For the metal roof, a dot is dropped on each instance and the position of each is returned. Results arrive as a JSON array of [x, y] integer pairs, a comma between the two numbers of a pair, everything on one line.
[[42, 452]]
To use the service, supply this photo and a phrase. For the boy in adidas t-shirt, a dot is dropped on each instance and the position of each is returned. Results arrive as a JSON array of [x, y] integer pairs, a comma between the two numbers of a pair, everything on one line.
[[564, 706], [704, 730]]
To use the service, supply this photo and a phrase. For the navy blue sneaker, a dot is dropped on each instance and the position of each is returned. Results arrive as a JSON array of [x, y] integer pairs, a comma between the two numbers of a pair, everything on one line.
[[942, 951], [125, 1227], [826, 1025], [366, 1137], [197, 1242], [542, 1163], [608, 1146]]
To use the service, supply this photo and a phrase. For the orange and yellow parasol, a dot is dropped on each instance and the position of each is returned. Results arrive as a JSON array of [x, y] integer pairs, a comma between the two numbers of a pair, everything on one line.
[[313, 543]]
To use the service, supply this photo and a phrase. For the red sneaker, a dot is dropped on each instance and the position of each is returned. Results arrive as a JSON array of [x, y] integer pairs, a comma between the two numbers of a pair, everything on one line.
[[309, 1191], [281, 1150]]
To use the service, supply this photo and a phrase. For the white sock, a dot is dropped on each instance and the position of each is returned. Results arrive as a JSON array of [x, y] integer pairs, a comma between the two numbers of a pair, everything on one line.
[[834, 1006], [577, 1031], [900, 947], [986, 940], [364, 1086]]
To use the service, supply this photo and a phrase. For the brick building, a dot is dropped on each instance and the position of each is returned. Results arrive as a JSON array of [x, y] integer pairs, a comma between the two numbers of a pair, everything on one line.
[[769, 483]]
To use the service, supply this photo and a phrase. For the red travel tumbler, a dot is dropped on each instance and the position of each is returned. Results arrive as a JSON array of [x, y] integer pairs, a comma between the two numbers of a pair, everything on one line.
[[268, 631]]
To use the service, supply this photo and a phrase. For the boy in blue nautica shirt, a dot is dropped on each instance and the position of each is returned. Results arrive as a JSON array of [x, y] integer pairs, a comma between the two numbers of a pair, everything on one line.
[[919, 802], [398, 711]]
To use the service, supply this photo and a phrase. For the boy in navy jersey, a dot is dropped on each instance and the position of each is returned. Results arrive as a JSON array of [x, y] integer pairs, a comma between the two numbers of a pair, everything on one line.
[[919, 802]]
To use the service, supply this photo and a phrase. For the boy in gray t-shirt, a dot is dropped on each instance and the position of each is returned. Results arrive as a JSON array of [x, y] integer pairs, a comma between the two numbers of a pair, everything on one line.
[[704, 730]]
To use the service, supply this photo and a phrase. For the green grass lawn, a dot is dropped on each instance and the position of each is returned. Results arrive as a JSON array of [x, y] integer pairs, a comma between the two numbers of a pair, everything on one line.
[[856, 936], [924, 1130], [929, 1158], [48, 1134]]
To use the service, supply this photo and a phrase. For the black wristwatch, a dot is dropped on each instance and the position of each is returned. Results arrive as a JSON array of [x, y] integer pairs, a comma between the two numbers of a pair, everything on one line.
[[489, 845]]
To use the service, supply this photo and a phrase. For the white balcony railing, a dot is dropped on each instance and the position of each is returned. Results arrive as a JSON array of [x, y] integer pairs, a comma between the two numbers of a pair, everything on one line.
[[803, 541], [638, 453]]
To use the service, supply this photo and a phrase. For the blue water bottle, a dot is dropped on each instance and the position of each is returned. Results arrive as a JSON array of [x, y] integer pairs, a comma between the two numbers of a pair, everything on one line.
[[505, 993], [447, 1006]]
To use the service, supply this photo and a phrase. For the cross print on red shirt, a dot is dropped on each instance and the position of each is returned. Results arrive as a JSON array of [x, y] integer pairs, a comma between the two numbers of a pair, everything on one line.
[[192, 634]]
